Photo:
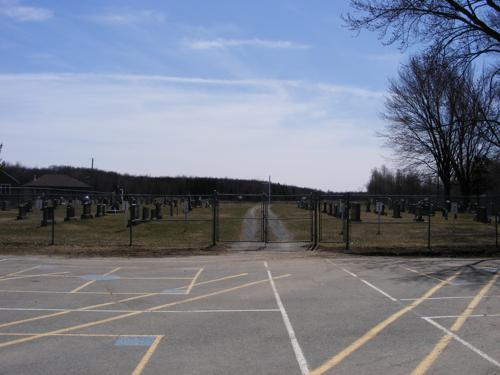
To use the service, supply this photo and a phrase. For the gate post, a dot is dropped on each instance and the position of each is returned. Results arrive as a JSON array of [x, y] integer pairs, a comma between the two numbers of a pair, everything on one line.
[[214, 218], [310, 208], [429, 223], [316, 210], [265, 214], [348, 221], [52, 242]]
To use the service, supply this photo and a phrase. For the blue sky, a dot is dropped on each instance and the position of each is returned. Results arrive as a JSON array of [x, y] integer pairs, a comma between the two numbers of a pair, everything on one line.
[[208, 88]]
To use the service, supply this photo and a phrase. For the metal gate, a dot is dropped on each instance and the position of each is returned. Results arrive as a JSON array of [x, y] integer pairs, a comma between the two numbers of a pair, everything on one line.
[[258, 218]]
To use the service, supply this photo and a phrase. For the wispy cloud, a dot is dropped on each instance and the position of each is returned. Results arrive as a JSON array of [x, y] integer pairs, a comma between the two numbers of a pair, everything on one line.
[[221, 43], [266, 126], [22, 13], [128, 17]]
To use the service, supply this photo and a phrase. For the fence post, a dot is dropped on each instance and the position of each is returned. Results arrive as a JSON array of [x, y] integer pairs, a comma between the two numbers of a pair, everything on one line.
[[214, 218], [429, 225], [320, 222], [311, 218], [496, 224], [130, 224], [348, 221], [264, 218], [52, 242]]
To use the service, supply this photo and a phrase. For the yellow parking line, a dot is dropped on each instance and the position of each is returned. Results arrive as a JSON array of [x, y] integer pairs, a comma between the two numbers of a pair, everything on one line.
[[38, 275], [76, 334], [21, 271], [119, 293], [127, 315], [194, 280], [147, 356], [215, 280], [424, 365], [335, 360], [156, 278], [119, 301], [93, 281], [422, 273], [33, 319], [92, 307]]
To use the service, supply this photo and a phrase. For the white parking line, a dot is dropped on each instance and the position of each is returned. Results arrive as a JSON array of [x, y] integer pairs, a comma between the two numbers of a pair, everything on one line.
[[364, 281], [301, 360], [142, 311], [456, 316], [451, 297], [463, 342]]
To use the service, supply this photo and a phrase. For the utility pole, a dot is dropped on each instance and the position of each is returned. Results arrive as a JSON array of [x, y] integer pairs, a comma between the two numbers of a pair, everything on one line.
[[92, 165]]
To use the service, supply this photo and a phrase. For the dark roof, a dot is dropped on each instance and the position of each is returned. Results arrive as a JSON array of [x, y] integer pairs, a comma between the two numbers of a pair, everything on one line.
[[58, 181], [5, 177]]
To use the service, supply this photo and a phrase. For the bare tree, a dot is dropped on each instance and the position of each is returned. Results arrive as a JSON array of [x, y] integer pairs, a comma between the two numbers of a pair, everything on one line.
[[435, 122], [470, 110], [489, 92], [465, 29], [418, 128]]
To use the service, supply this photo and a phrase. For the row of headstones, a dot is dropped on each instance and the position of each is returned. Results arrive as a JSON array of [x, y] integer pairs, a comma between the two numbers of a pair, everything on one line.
[[339, 210], [48, 211], [148, 214], [419, 210]]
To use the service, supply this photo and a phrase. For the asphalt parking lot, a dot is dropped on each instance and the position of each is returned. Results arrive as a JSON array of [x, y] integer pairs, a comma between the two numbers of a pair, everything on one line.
[[249, 313]]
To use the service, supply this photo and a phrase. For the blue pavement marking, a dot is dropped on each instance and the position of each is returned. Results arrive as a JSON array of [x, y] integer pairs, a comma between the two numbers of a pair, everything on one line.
[[491, 269], [134, 341], [173, 291], [99, 277]]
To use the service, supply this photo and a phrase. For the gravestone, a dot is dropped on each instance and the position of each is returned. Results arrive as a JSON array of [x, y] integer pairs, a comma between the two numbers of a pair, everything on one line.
[[86, 211], [70, 212], [342, 210], [133, 214], [336, 212], [171, 203], [402, 205], [368, 206], [158, 211], [356, 212], [21, 215], [47, 215], [396, 210], [324, 207], [419, 211], [382, 209], [99, 210], [153, 214], [330, 209], [145, 214], [482, 215]]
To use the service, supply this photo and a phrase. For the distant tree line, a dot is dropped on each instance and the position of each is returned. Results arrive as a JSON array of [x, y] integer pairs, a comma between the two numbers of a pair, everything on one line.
[[112, 181], [406, 182]]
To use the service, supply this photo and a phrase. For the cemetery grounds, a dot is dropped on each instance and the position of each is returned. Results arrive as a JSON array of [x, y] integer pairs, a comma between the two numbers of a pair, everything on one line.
[[253, 221]]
